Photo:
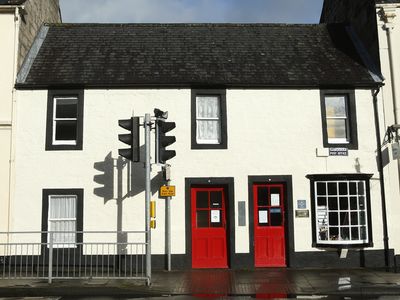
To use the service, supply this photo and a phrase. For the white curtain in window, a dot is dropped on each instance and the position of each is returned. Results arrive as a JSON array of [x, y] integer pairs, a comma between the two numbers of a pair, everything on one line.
[[62, 218], [208, 119]]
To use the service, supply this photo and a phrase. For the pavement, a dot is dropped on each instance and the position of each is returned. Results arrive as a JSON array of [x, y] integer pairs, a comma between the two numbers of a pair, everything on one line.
[[274, 283]]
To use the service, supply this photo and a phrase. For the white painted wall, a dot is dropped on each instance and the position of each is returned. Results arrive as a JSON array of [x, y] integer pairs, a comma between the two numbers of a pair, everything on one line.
[[7, 52], [386, 101], [270, 132]]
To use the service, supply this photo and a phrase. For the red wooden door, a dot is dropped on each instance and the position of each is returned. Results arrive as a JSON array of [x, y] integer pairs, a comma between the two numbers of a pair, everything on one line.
[[209, 248], [269, 225]]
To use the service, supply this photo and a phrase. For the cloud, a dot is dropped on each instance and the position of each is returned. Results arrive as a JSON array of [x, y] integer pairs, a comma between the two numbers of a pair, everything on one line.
[[191, 11]]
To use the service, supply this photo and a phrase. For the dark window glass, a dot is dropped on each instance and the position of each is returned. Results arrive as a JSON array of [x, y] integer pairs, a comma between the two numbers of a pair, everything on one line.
[[345, 233], [342, 188], [202, 200], [262, 194], [276, 217], [321, 201], [344, 203], [353, 203], [66, 130], [361, 188], [332, 203], [354, 233], [67, 108], [361, 201], [362, 218], [333, 233], [321, 188], [344, 218], [363, 232], [216, 199], [333, 218], [332, 188], [353, 188], [202, 218], [354, 218]]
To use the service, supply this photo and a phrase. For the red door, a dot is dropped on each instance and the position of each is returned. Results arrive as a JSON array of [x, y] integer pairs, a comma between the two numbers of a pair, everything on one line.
[[269, 225], [209, 249]]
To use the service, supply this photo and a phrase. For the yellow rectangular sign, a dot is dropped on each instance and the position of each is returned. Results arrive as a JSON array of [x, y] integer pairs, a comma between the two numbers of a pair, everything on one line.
[[167, 191]]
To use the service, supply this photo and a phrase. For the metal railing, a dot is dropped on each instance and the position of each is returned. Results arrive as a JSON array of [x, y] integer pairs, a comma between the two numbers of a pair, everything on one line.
[[66, 255]]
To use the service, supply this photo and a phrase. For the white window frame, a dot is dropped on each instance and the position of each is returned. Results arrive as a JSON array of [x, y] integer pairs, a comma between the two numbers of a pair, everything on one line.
[[55, 120], [50, 220], [322, 214], [215, 119], [345, 140]]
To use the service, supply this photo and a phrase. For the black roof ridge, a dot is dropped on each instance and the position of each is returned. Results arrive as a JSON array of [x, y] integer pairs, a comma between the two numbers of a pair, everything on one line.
[[185, 24]]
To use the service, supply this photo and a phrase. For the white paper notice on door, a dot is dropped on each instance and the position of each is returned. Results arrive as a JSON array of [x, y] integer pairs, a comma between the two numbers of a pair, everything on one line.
[[275, 200], [215, 216], [263, 216]]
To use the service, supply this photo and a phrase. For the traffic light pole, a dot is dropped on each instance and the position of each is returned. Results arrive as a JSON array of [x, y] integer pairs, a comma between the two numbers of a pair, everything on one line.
[[147, 128]]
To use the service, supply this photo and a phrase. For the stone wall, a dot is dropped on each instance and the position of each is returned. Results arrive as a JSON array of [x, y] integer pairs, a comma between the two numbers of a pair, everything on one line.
[[37, 12], [361, 15]]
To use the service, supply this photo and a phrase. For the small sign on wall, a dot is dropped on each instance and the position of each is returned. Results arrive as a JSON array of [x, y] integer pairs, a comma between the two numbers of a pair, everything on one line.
[[301, 204], [339, 151], [302, 213]]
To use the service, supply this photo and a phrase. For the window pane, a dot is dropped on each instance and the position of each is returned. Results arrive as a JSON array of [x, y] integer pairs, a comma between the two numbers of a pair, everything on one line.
[[363, 232], [276, 217], [321, 201], [66, 130], [353, 188], [332, 203], [335, 106], [216, 199], [209, 131], [344, 203], [321, 188], [333, 233], [66, 107], [345, 233], [354, 233], [354, 218], [361, 202], [362, 218], [61, 207], [207, 106], [353, 203], [361, 190], [333, 218], [336, 128], [342, 188], [202, 199], [263, 217], [262, 196], [202, 218], [344, 218], [332, 188]]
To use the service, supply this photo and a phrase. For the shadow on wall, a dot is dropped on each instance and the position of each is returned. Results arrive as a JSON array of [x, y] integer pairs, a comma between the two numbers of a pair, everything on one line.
[[120, 178]]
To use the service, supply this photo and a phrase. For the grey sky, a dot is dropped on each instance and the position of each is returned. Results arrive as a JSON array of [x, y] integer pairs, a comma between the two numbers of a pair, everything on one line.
[[191, 11]]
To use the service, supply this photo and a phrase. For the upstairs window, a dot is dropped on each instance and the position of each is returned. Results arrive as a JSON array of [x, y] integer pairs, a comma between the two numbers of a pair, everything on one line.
[[339, 119], [209, 119], [64, 120], [341, 210]]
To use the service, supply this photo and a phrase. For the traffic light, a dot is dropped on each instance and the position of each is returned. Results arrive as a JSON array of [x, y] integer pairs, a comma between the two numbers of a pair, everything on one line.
[[105, 178], [164, 141], [132, 139]]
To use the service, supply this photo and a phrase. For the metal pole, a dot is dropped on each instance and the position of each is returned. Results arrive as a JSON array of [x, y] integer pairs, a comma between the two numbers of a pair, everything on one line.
[[168, 208], [147, 129], [381, 180], [50, 257]]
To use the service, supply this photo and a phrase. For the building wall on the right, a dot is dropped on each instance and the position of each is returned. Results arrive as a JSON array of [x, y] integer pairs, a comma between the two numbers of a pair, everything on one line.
[[377, 24]]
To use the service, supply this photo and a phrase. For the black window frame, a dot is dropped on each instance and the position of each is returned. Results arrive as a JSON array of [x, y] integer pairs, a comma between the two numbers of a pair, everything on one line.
[[51, 95], [221, 93], [79, 211], [340, 177], [352, 119]]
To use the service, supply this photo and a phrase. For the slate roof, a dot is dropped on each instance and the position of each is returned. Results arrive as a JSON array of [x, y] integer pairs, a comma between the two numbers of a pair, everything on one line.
[[230, 55]]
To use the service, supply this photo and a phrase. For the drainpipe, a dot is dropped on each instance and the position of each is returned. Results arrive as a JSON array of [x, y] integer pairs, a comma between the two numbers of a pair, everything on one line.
[[381, 179]]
